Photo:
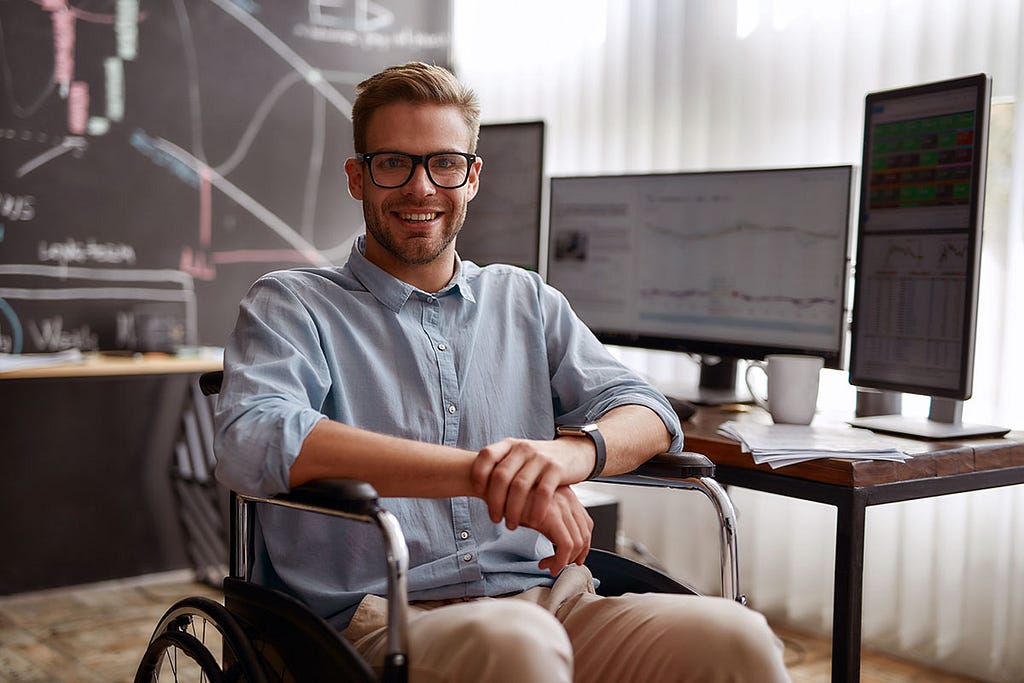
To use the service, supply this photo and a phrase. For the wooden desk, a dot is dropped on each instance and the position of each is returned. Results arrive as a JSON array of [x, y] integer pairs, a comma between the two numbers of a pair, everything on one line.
[[99, 365], [85, 449], [937, 468]]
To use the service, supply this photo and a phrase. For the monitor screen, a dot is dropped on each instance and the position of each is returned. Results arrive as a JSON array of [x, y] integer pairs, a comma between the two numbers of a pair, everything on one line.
[[729, 264], [919, 251], [919, 238], [503, 220]]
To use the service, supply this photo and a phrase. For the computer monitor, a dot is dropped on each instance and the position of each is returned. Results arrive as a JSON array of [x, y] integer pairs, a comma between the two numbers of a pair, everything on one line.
[[503, 220], [726, 264], [919, 250]]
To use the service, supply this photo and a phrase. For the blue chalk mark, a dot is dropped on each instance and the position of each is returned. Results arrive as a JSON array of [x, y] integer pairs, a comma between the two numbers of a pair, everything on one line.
[[16, 335]]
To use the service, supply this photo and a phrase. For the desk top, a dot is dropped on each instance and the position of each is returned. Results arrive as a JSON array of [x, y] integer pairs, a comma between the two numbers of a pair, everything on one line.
[[930, 458], [99, 365]]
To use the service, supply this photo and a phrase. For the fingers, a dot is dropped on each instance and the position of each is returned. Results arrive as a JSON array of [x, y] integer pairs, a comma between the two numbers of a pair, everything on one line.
[[569, 528], [524, 486], [480, 475], [586, 526], [484, 463], [530, 490], [516, 478]]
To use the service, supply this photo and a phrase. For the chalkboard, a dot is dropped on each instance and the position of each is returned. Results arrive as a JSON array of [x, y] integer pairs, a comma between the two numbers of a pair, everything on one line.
[[157, 157]]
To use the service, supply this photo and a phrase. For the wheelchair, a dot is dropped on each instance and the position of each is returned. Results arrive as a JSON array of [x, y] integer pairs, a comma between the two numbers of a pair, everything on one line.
[[262, 634]]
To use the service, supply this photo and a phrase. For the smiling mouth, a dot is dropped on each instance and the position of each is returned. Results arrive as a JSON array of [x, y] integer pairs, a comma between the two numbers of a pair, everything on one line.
[[418, 217]]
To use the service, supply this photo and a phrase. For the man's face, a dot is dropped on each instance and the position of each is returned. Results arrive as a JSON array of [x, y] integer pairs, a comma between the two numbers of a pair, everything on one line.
[[415, 224]]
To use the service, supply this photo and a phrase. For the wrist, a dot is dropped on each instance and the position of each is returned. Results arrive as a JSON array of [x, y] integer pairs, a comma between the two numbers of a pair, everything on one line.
[[591, 432]]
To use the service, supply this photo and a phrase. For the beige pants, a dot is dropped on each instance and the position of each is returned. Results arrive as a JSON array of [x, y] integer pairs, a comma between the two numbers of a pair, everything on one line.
[[567, 633]]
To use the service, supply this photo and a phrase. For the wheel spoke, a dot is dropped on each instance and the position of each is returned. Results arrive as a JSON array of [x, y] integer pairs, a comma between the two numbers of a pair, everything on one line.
[[204, 638]]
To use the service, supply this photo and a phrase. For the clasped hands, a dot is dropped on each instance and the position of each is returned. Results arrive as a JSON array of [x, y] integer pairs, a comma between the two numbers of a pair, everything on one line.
[[526, 482]]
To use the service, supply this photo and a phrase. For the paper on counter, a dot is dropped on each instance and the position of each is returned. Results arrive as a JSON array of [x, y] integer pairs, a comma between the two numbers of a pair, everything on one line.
[[781, 444]]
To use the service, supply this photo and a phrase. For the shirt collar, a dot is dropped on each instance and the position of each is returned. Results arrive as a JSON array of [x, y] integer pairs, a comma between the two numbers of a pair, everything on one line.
[[391, 291]]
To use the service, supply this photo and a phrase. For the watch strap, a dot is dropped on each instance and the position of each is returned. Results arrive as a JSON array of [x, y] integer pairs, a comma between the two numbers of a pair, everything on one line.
[[589, 430]]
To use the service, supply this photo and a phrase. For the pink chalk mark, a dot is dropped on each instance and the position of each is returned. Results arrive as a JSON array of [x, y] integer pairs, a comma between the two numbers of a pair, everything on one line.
[[78, 107], [63, 46], [205, 202], [84, 15], [194, 263]]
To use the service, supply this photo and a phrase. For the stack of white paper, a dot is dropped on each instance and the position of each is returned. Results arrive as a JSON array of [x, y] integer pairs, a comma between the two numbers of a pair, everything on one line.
[[782, 444]]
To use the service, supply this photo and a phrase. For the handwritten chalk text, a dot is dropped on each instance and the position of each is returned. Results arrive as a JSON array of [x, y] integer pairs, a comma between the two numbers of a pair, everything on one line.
[[76, 251]]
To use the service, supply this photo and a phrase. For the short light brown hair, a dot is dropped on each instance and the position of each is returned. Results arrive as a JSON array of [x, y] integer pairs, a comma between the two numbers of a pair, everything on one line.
[[416, 83]]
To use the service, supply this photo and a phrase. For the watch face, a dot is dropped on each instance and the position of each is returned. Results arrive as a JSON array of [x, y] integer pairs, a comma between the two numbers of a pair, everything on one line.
[[576, 430]]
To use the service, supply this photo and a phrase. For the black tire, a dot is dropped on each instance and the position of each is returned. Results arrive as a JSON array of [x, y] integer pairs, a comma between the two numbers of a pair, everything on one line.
[[214, 644], [178, 656]]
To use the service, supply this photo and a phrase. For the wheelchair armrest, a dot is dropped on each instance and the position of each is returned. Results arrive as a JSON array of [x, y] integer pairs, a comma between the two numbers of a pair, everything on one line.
[[677, 466], [341, 495], [209, 382], [693, 471], [356, 500]]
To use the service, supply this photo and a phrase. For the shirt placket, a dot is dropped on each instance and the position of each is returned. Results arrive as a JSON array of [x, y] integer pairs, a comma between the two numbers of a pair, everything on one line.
[[466, 551], [448, 385]]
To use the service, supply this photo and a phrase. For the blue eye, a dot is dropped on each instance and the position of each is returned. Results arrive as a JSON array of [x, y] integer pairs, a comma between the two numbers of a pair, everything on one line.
[[392, 162]]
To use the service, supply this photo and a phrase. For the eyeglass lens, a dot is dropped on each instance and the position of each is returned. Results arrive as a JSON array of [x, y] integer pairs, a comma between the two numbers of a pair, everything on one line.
[[395, 170]]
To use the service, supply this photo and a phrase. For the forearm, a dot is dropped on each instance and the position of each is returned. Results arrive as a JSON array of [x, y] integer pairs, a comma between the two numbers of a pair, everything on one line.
[[394, 466], [632, 435]]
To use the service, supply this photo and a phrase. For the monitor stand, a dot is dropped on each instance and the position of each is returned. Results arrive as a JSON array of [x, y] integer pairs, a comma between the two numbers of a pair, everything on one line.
[[943, 422], [717, 384]]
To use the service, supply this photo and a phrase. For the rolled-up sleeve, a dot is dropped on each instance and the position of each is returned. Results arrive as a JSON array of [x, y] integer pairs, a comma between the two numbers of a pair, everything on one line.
[[274, 375], [586, 380]]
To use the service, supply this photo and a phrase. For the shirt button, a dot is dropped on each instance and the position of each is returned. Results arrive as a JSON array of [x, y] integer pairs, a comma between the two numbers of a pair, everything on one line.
[[452, 409], [467, 557], [463, 535], [442, 347]]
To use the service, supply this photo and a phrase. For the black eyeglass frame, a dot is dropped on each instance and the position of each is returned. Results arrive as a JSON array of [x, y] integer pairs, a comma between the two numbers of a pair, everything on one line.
[[417, 159]]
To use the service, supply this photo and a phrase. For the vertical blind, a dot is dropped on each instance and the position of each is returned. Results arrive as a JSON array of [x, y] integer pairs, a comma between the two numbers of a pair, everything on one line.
[[633, 86]]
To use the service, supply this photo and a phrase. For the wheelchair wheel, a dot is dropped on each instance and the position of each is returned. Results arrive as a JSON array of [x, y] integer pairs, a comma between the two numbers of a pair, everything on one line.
[[198, 640]]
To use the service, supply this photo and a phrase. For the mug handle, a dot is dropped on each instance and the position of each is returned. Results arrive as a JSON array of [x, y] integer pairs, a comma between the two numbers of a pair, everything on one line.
[[763, 367]]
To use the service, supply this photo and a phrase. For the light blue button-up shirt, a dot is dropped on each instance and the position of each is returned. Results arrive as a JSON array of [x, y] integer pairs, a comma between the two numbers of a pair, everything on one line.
[[497, 353]]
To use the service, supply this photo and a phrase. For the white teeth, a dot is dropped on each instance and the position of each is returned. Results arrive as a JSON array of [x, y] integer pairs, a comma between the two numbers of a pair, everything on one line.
[[418, 216]]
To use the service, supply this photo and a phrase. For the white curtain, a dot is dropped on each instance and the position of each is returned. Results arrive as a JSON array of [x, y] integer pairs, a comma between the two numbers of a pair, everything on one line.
[[659, 85]]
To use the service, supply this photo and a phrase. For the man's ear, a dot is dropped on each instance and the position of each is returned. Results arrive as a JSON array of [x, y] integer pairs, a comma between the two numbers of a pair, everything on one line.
[[473, 184], [354, 171]]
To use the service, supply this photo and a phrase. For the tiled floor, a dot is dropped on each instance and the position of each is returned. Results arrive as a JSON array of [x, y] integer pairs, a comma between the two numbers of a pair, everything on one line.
[[93, 634], [96, 634]]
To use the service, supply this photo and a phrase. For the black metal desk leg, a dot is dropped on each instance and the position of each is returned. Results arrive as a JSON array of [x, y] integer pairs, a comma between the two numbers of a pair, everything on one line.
[[848, 594]]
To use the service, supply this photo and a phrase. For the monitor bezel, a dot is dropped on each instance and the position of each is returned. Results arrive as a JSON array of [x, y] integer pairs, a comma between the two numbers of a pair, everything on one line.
[[983, 84], [834, 358], [537, 222]]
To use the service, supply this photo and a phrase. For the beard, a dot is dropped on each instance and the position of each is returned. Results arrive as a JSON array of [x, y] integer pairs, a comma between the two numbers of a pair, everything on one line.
[[415, 251]]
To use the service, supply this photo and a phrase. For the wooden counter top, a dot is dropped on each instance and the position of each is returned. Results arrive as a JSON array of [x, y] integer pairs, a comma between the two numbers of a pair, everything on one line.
[[101, 365], [930, 458]]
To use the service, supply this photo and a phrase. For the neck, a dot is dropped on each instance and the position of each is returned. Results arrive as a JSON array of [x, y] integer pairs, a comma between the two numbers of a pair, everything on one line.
[[432, 277], [429, 277]]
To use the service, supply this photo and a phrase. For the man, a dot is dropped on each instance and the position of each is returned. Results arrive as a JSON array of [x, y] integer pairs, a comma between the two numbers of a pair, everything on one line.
[[441, 383]]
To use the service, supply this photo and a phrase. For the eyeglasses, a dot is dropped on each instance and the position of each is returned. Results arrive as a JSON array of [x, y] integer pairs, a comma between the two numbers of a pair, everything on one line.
[[447, 170]]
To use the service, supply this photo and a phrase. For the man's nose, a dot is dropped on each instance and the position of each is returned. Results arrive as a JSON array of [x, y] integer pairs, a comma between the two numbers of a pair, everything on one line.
[[420, 183]]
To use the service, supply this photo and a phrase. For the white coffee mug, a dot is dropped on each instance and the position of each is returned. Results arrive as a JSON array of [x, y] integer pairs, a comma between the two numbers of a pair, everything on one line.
[[792, 387]]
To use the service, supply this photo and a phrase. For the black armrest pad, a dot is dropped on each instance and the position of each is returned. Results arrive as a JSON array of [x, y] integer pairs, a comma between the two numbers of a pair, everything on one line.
[[677, 466], [345, 495], [209, 382]]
